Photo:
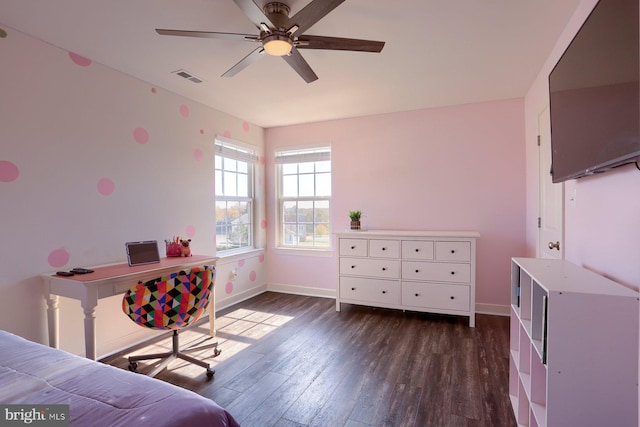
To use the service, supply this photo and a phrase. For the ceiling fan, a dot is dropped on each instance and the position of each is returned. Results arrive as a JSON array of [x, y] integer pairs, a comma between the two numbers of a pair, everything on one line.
[[282, 36]]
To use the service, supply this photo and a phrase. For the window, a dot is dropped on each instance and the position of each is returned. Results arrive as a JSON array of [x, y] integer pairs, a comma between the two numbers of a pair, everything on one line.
[[304, 198], [234, 166]]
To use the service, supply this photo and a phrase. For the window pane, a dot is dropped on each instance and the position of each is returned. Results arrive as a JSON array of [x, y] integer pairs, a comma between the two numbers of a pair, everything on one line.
[[288, 168], [230, 184], [290, 211], [243, 185], [323, 184], [323, 166], [290, 186], [307, 187], [243, 167], [306, 167], [230, 164], [218, 162]]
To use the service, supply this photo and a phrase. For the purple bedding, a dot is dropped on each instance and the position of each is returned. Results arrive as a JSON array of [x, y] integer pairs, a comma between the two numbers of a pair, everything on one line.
[[98, 394]]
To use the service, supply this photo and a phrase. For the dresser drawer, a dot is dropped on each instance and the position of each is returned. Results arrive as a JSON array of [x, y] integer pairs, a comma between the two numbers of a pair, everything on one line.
[[436, 271], [370, 290], [384, 248], [436, 296], [417, 249], [353, 247], [389, 269], [453, 251]]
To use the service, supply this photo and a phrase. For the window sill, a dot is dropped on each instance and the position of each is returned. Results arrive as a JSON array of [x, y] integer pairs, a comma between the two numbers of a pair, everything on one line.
[[325, 253]]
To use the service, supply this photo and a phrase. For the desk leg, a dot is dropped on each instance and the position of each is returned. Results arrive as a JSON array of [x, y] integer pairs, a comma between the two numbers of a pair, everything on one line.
[[212, 314], [52, 319], [89, 305]]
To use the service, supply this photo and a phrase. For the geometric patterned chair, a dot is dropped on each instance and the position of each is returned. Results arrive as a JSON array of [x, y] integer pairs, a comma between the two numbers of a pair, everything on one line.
[[171, 302]]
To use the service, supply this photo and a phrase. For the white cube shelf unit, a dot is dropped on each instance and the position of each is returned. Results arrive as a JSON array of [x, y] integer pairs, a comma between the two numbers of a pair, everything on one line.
[[573, 347], [409, 270]]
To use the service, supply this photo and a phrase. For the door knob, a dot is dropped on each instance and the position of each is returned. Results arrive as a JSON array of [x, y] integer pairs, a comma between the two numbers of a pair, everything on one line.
[[555, 245]]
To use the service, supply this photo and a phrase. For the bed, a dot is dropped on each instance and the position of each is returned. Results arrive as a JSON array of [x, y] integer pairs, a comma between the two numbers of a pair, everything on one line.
[[97, 394]]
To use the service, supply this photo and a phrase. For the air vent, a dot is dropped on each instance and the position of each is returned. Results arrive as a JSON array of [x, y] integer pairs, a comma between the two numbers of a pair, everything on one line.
[[187, 75]]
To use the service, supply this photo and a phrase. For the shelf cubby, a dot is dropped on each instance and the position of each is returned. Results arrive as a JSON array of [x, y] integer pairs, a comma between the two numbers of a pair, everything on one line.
[[574, 347]]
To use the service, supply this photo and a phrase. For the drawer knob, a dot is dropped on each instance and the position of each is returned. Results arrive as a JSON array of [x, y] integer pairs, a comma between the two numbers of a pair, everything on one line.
[[417, 271], [353, 247], [417, 250], [384, 249], [353, 289], [453, 297], [384, 268], [453, 251], [353, 266], [384, 292], [453, 272], [417, 295]]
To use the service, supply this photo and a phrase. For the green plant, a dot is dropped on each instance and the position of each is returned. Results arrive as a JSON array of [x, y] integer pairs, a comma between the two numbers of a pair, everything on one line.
[[355, 215]]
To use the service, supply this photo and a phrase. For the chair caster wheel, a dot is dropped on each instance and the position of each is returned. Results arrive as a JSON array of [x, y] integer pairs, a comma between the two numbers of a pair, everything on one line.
[[133, 366], [216, 352], [210, 373]]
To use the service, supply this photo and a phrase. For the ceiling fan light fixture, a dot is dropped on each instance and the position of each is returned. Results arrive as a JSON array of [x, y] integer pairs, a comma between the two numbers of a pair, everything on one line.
[[277, 45]]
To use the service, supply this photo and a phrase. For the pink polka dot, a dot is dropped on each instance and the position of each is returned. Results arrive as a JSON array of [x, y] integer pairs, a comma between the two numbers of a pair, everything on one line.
[[262, 160], [252, 276], [184, 110], [227, 134], [241, 263], [190, 230], [228, 288], [263, 224], [141, 135], [245, 126], [106, 186], [3, 33], [261, 257], [201, 131], [198, 154], [79, 60], [8, 171], [58, 258], [154, 90]]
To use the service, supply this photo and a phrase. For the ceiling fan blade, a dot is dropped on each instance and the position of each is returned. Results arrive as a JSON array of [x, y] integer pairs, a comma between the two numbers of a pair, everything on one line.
[[253, 12], [208, 35], [244, 62], [312, 13], [298, 63], [338, 43]]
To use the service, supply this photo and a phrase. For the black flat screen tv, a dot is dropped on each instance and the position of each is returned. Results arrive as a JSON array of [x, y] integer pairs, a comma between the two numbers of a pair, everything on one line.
[[593, 94]]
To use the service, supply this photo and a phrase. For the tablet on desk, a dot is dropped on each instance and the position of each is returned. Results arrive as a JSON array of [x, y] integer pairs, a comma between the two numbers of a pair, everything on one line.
[[139, 253]]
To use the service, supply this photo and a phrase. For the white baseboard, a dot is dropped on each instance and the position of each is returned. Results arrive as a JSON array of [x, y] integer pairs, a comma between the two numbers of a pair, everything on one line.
[[299, 290], [494, 309]]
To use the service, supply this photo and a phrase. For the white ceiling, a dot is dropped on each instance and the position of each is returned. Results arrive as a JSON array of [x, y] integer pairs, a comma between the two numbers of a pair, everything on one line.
[[437, 52]]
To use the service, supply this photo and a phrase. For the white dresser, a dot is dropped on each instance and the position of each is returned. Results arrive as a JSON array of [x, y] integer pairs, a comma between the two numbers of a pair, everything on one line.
[[409, 270]]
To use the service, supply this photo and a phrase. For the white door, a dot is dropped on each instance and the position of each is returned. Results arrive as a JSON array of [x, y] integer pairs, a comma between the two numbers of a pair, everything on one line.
[[551, 213]]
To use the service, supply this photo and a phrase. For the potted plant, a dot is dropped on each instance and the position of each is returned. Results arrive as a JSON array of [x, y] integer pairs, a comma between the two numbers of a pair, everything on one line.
[[355, 219]]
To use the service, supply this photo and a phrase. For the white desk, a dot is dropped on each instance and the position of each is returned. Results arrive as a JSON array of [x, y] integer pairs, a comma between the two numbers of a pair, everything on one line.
[[106, 281]]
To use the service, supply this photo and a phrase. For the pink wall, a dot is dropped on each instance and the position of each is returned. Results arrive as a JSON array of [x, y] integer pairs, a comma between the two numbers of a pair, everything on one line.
[[89, 159], [454, 168]]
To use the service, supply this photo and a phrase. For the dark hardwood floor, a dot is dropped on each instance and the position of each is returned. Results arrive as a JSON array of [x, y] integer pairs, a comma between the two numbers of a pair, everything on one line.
[[291, 360]]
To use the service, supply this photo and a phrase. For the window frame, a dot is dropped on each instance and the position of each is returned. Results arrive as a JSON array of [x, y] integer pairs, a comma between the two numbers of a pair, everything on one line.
[[232, 150], [297, 156]]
